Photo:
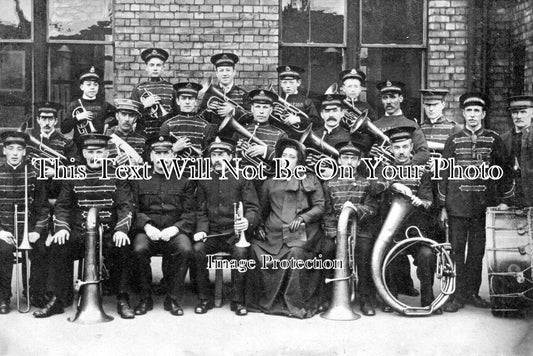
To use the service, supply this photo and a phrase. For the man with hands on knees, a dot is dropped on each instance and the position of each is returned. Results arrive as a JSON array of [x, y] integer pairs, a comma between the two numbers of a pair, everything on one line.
[[114, 198]]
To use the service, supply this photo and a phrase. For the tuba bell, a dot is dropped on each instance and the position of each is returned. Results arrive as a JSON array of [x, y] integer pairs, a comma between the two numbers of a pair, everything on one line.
[[399, 211], [90, 310], [340, 308]]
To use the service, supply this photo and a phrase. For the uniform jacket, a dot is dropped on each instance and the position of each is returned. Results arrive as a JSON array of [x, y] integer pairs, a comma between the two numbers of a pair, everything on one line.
[[101, 109], [134, 139], [236, 94], [191, 126], [525, 163], [305, 104], [267, 133], [440, 130]]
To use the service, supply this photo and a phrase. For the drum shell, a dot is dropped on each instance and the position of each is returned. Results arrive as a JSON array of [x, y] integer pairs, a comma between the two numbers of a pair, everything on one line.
[[507, 233]]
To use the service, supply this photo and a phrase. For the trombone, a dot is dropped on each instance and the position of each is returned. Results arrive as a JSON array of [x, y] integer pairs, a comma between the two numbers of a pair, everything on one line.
[[24, 249]]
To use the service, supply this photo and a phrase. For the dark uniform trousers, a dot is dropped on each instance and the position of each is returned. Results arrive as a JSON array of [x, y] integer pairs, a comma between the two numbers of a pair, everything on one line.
[[177, 252], [6, 264]]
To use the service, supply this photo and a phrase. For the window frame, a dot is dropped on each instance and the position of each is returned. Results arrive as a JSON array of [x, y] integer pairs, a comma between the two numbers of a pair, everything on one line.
[[24, 40]]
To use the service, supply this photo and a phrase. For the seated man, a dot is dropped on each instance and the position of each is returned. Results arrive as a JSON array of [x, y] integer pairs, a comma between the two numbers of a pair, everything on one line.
[[215, 216], [165, 219], [114, 199]]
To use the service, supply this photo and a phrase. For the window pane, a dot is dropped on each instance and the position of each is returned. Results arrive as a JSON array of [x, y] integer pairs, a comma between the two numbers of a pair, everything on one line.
[[67, 60], [395, 64], [15, 84], [76, 20], [322, 66], [15, 19], [392, 21], [327, 21], [295, 21]]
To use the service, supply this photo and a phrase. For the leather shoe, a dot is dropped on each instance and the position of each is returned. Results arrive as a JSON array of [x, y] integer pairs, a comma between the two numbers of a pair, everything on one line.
[[437, 311], [451, 306], [323, 307], [203, 306], [167, 304], [38, 300], [386, 308], [175, 308], [239, 308], [410, 292], [124, 309], [4, 306], [54, 306], [368, 309], [477, 301], [144, 306]]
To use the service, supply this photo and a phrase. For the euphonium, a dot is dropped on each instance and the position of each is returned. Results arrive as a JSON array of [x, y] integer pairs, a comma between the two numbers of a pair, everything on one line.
[[340, 308], [82, 125], [399, 210], [239, 213], [157, 110], [90, 309]]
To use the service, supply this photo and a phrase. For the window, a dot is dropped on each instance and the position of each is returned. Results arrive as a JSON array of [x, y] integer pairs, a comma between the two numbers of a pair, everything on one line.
[[313, 36]]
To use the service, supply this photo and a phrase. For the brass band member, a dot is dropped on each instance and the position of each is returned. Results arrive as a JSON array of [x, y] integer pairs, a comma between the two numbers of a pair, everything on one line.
[[292, 210], [225, 71], [363, 195], [331, 112], [353, 81], [464, 201], [290, 78], [419, 189], [164, 221], [157, 95], [436, 127], [190, 128], [13, 189], [519, 143], [77, 196], [392, 98], [89, 113], [215, 216]]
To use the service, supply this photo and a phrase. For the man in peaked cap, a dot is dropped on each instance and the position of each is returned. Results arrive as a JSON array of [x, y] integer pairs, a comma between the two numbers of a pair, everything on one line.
[[519, 144], [290, 81], [156, 94], [352, 83], [215, 216], [225, 71], [463, 201]]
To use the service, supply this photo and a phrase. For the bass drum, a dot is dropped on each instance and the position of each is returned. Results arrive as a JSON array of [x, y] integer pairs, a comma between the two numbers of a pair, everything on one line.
[[509, 251]]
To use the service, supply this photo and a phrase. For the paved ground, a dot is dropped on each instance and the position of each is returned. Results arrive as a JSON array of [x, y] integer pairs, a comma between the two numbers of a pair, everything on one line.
[[470, 332]]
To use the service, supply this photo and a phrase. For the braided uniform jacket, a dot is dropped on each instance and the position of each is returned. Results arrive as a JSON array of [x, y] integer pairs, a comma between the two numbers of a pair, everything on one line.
[[101, 109], [191, 126], [305, 104], [161, 88], [469, 198], [112, 196], [134, 139], [267, 133], [12, 192], [440, 130]]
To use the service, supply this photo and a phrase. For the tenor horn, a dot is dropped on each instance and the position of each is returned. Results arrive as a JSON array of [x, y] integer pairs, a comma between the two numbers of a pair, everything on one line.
[[340, 308], [90, 310]]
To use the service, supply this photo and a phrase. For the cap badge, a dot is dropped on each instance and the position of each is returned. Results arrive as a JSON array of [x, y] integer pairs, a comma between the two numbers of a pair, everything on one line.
[[329, 97], [161, 138], [188, 85], [92, 70], [353, 71], [154, 52], [389, 84], [217, 139], [224, 56], [287, 69]]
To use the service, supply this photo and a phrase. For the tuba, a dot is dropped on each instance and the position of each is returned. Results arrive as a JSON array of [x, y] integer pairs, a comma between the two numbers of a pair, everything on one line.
[[90, 310], [340, 308], [155, 111], [400, 209]]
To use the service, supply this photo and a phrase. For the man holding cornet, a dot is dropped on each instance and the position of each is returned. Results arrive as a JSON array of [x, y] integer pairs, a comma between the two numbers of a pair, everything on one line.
[[16, 176], [217, 226]]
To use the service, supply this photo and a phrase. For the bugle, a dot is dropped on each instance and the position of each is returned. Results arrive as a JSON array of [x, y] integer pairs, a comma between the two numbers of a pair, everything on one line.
[[340, 308], [157, 110], [89, 308], [239, 213]]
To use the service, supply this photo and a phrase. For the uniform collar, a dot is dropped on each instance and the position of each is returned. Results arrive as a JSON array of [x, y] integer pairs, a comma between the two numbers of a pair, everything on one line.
[[397, 113]]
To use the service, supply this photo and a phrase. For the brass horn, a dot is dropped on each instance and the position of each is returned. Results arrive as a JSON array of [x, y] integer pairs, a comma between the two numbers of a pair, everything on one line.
[[219, 98], [282, 108], [90, 310], [316, 144], [190, 151], [157, 110], [340, 308], [82, 125]]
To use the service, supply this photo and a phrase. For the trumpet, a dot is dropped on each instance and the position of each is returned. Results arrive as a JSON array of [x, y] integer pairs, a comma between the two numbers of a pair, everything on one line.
[[82, 126], [239, 213], [157, 110], [24, 248]]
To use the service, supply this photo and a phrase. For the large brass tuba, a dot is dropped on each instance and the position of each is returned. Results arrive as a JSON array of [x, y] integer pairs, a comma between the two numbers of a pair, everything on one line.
[[90, 309], [340, 308], [400, 209]]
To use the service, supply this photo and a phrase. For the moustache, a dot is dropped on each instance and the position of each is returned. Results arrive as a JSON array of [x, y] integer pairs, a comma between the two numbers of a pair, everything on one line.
[[331, 118]]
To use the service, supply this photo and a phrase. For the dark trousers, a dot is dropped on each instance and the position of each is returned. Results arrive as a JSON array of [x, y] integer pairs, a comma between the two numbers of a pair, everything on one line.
[[363, 257], [39, 266], [467, 233], [59, 280], [176, 252], [6, 269], [212, 245]]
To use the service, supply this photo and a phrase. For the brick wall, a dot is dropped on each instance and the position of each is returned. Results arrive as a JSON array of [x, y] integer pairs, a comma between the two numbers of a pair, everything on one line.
[[192, 31], [447, 50]]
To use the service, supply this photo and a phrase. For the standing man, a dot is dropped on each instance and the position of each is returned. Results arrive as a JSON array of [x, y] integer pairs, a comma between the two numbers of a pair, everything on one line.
[[331, 112], [165, 220], [352, 83], [157, 95], [519, 144], [12, 179], [463, 202], [225, 71], [215, 216], [114, 199], [290, 80], [189, 128]]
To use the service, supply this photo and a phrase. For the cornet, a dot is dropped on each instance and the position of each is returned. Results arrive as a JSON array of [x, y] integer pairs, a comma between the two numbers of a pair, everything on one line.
[[157, 110], [239, 213], [82, 125]]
